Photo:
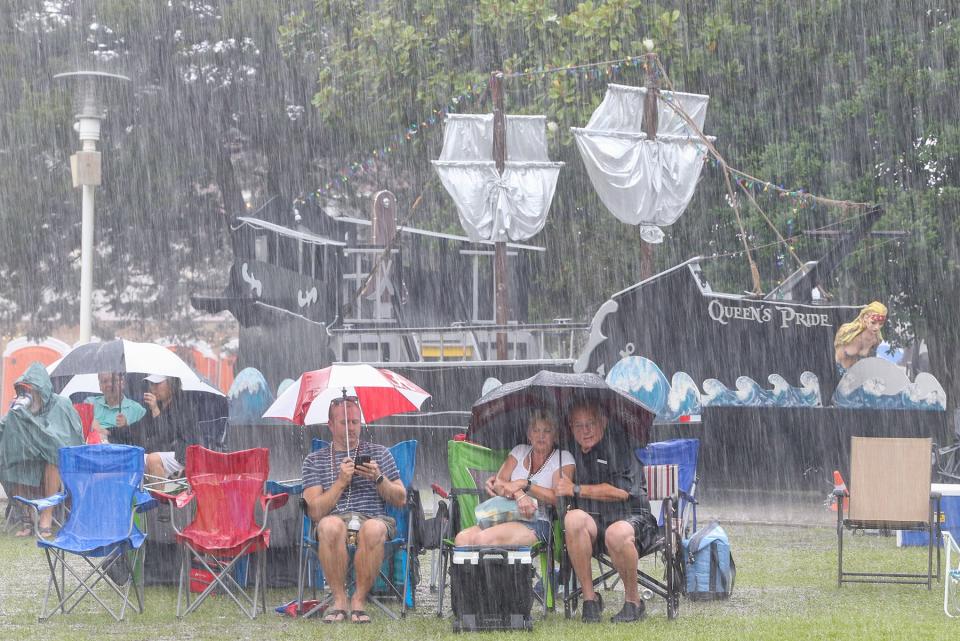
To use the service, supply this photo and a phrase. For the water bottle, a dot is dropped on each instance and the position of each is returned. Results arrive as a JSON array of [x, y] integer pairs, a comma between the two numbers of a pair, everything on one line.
[[353, 528], [23, 399]]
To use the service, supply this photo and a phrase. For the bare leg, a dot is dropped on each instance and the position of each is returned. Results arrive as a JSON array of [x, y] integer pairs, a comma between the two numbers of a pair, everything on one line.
[[154, 465], [369, 556], [580, 532], [622, 547], [332, 552], [466, 537], [51, 485], [501, 534]]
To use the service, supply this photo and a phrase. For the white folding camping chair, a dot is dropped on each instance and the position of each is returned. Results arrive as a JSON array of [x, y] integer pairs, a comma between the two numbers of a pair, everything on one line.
[[951, 586]]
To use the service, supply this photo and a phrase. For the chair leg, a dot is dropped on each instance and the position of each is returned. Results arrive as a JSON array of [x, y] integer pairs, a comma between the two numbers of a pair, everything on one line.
[[184, 574], [930, 543], [52, 562], [443, 580], [840, 542], [673, 590]]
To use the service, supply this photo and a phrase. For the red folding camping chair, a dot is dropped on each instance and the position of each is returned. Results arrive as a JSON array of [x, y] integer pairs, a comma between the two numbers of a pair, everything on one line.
[[224, 528]]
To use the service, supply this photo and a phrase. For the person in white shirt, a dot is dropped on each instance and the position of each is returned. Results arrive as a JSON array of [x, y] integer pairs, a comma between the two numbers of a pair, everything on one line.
[[528, 476]]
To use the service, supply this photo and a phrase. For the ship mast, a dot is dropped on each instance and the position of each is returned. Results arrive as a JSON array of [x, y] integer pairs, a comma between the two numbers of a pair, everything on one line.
[[500, 291], [650, 117]]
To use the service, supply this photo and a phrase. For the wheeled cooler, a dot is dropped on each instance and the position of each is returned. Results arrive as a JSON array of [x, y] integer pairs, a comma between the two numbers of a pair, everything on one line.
[[490, 588]]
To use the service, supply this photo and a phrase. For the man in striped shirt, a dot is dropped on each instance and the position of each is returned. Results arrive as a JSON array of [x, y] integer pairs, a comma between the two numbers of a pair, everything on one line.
[[346, 491]]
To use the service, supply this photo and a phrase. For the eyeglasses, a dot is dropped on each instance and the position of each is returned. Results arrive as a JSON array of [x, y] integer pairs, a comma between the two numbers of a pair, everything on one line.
[[583, 425], [877, 318]]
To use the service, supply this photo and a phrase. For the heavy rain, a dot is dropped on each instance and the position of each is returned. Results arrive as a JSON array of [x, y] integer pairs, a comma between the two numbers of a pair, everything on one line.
[[731, 226]]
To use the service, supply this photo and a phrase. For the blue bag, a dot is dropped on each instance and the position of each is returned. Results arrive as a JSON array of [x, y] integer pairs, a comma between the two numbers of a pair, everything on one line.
[[709, 565]]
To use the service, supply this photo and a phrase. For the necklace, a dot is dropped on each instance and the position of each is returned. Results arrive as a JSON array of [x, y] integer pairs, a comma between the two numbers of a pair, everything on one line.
[[333, 467], [530, 474]]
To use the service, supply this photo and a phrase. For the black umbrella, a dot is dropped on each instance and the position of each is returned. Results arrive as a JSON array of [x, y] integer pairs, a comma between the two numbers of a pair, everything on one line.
[[499, 418]]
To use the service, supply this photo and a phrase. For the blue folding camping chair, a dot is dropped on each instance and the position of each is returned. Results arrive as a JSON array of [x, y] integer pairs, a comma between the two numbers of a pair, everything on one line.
[[682, 452], [395, 578], [104, 486]]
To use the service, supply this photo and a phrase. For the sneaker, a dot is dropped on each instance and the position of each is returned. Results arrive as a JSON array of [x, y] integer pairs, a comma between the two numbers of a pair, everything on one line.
[[630, 612], [591, 610]]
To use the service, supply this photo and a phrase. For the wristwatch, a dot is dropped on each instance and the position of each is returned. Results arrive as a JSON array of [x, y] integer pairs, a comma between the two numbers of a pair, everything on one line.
[[379, 480], [526, 488], [576, 491]]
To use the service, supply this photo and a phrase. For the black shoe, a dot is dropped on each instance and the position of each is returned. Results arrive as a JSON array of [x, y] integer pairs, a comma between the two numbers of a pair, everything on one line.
[[591, 610], [630, 612]]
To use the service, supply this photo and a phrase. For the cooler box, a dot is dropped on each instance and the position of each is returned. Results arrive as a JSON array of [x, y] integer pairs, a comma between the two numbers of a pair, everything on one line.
[[949, 516], [491, 588]]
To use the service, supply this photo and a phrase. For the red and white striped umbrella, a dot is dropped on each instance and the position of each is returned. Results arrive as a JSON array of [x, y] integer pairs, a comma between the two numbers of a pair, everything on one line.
[[379, 392]]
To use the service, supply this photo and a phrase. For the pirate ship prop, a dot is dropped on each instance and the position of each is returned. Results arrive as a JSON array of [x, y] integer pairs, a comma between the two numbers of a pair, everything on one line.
[[450, 312]]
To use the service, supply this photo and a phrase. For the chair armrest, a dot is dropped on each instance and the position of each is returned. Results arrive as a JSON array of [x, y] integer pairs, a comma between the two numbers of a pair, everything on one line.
[[283, 487], [273, 501], [439, 491], [144, 502], [177, 500], [412, 497], [43, 504]]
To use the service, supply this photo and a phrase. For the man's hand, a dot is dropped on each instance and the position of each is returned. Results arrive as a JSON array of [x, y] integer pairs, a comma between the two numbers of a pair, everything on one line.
[[151, 402], [101, 430], [121, 420], [563, 487], [347, 469], [369, 470]]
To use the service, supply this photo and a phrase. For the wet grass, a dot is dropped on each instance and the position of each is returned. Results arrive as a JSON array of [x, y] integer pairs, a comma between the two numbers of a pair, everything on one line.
[[786, 589]]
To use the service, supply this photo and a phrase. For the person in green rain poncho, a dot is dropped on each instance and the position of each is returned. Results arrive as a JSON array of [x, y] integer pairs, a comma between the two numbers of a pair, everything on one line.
[[38, 424]]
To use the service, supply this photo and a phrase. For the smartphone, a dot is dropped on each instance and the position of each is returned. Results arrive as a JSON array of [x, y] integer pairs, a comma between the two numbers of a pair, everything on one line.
[[362, 459]]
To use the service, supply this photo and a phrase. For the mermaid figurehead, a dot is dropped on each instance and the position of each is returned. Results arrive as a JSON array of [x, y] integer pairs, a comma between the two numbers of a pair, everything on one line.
[[860, 337]]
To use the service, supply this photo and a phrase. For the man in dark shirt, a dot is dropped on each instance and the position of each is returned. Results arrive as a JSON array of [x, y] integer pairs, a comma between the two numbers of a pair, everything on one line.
[[171, 424], [346, 487], [611, 511]]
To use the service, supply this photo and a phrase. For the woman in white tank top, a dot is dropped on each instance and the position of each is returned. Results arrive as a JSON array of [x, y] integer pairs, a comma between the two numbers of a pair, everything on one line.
[[527, 475]]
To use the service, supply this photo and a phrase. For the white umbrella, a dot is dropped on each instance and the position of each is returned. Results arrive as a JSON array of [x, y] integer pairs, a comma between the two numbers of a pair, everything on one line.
[[124, 357]]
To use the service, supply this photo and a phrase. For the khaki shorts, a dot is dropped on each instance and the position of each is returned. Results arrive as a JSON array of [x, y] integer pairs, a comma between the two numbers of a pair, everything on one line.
[[387, 520]]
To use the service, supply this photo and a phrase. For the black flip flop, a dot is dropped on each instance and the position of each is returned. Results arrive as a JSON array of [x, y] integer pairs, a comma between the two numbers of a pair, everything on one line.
[[358, 614], [334, 614]]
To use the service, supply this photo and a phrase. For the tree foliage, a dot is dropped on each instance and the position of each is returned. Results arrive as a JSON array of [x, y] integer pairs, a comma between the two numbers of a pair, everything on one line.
[[853, 99]]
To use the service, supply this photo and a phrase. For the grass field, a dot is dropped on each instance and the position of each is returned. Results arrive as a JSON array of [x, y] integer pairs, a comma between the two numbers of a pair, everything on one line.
[[785, 589]]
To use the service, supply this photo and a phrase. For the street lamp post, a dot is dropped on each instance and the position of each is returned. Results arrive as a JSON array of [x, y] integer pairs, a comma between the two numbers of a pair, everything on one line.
[[85, 168]]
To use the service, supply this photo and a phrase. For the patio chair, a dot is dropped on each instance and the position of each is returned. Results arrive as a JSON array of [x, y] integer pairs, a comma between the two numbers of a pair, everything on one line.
[[470, 466], [227, 488], [951, 583], [103, 484], [663, 487], [682, 452], [397, 575], [889, 489]]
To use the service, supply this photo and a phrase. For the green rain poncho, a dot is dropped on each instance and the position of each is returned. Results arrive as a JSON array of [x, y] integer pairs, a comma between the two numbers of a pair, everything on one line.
[[27, 441]]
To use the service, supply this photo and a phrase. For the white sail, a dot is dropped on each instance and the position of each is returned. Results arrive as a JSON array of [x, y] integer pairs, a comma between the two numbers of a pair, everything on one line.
[[644, 182], [513, 206]]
